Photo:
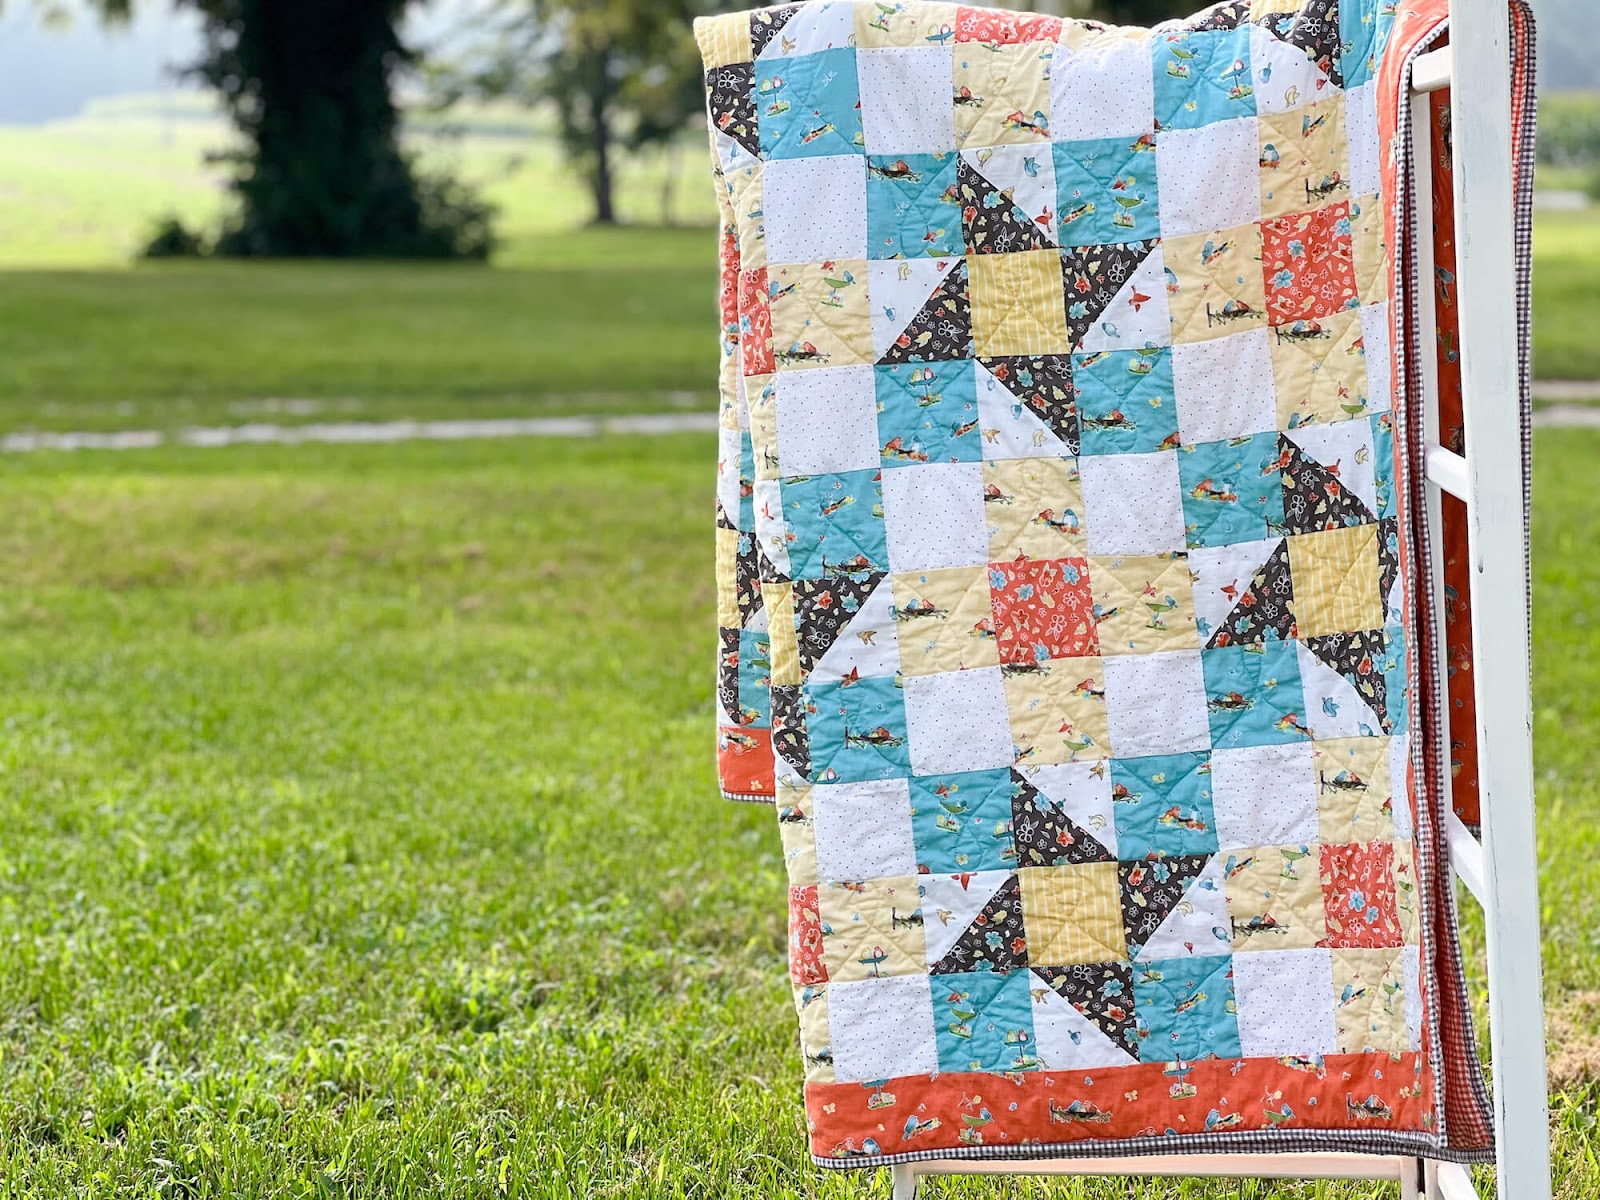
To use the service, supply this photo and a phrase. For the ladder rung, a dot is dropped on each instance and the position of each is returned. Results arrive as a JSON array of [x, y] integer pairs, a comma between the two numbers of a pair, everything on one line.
[[1447, 469], [1466, 855], [1431, 71]]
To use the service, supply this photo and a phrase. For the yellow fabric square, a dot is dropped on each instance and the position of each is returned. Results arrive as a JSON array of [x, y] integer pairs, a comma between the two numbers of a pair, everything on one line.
[[1320, 371], [1002, 94], [784, 652], [1336, 581], [1072, 914], [1370, 250], [872, 928], [1018, 303], [797, 829], [724, 39], [1033, 507], [943, 620], [1305, 162], [744, 195], [1216, 286], [923, 24], [1405, 893], [727, 545], [1369, 1001], [820, 315], [1354, 793], [1274, 896], [1266, 8], [1058, 710], [815, 1038], [1144, 603]]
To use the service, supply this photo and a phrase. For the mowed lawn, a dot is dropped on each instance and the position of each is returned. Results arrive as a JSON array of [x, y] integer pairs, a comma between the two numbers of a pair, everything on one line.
[[361, 836]]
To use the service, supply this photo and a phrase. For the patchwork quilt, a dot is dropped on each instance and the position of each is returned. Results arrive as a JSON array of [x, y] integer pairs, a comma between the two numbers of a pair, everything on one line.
[[1072, 602]]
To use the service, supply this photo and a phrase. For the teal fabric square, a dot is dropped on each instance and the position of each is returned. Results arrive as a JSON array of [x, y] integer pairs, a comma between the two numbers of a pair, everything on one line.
[[1105, 192], [836, 523], [912, 207], [1184, 1008], [810, 105], [1383, 464], [962, 822], [1364, 28], [755, 675], [983, 1021], [1162, 806], [1393, 669], [857, 731], [1125, 401], [928, 412], [1253, 695], [1202, 77], [1232, 491]]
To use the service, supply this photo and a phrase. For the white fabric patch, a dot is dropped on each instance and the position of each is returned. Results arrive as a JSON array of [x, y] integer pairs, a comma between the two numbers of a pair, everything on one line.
[[1411, 964], [827, 420], [1065, 1039], [1026, 173], [1210, 177], [1399, 786], [850, 654], [1010, 428], [950, 903], [957, 721], [863, 830], [1285, 1000], [1285, 77], [1104, 89], [1137, 316], [1334, 708], [1082, 791], [1345, 449], [1361, 132], [1222, 574], [899, 290], [771, 530], [1375, 348], [1265, 795], [1133, 503], [1198, 925], [882, 1028], [1225, 387], [1156, 703], [815, 208], [934, 514], [905, 100], [813, 28]]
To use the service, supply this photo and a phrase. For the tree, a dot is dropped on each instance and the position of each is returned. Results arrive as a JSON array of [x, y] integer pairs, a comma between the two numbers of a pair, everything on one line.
[[617, 73], [309, 85]]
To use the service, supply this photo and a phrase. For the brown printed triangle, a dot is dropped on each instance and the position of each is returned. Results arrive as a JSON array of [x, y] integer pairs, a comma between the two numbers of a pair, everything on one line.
[[823, 609], [1044, 835], [1151, 889], [1313, 498], [1358, 657], [994, 941], [1266, 608], [1093, 276], [1388, 555], [1044, 383], [942, 329], [991, 222], [790, 740], [1102, 992], [730, 91], [767, 23]]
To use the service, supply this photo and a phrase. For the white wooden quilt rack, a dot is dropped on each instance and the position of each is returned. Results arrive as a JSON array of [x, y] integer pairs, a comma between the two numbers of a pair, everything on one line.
[[1501, 872]]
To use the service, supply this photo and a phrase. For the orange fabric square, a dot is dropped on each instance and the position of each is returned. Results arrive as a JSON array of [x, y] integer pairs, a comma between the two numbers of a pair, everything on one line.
[[806, 966], [754, 331], [1358, 896], [1308, 261], [1043, 609]]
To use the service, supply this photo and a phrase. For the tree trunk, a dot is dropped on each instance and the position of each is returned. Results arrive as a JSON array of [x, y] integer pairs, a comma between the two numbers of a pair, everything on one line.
[[601, 181]]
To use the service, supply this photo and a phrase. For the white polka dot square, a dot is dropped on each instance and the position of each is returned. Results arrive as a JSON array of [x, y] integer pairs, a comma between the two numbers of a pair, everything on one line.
[[934, 515], [1210, 177], [815, 208], [1133, 503], [905, 100], [1285, 1000], [827, 420], [1224, 387], [1375, 347], [1103, 89], [882, 1028], [863, 830], [1361, 132], [957, 721], [1156, 703], [1265, 796]]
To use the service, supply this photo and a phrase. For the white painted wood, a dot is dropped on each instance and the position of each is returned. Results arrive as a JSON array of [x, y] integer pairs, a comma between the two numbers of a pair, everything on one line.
[[1449, 1181], [1446, 469], [1466, 856], [1497, 546], [905, 1181], [1431, 71], [1223, 1166], [1411, 1180]]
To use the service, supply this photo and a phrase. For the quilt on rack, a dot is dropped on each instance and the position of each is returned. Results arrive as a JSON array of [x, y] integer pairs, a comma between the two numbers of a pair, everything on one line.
[[1070, 595]]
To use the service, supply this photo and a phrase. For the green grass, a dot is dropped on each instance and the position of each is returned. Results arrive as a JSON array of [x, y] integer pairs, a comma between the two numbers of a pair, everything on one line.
[[1566, 294], [361, 835]]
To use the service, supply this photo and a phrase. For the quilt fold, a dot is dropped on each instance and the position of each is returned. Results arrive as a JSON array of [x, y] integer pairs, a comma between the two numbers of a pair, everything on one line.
[[1071, 590]]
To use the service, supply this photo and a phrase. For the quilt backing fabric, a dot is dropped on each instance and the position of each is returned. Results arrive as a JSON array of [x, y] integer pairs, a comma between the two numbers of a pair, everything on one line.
[[1069, 593]]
